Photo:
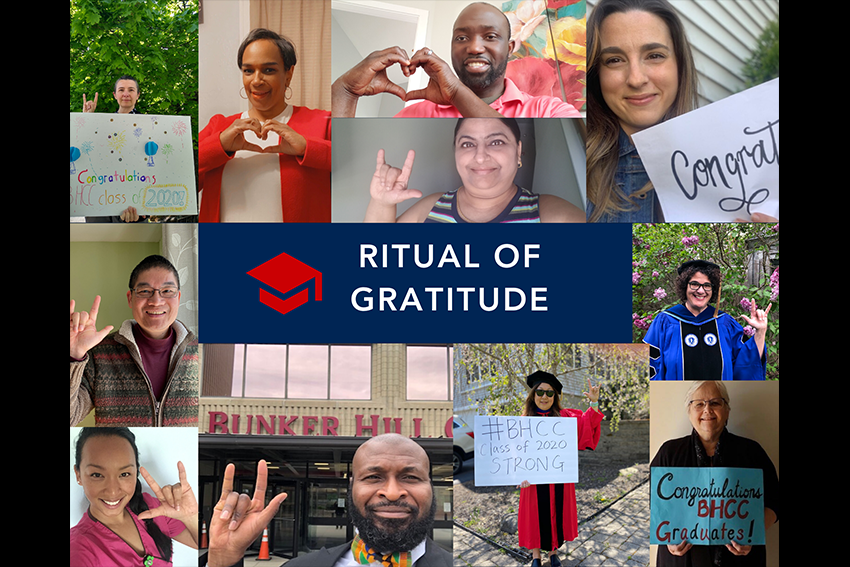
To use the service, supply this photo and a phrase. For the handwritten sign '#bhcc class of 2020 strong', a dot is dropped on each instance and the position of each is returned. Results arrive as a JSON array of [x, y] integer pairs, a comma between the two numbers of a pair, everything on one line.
[[131, 160], [509, 450]]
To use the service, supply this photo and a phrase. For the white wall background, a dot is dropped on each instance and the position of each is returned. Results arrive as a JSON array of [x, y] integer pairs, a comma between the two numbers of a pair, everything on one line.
[[159, 450], [553, 157]]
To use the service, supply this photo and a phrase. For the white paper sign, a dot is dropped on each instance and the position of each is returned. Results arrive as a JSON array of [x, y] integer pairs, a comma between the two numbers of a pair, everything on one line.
[[131, 160], [717, 163], [541, 450]]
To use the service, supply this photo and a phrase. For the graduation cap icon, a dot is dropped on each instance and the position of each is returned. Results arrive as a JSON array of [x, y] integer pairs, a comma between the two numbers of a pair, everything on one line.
[[286, 275]]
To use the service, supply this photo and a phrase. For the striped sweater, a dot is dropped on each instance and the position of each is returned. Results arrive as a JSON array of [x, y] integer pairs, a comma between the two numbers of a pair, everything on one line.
[[111, 379], [523, 208]]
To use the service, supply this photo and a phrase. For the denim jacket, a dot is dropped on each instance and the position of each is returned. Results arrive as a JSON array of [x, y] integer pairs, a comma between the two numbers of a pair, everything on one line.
[[630, 177]]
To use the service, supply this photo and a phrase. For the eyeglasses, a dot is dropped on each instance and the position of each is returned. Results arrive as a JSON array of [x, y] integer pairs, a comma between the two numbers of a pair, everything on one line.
[[699, 405], [147, 292], [541, 393], [696, 285]]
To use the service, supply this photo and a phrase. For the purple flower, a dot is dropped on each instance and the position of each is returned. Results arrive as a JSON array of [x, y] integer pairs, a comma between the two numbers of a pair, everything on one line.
[[659, 293], [689, 241], [635, 278], [749, 331], [774, 284], [654, 273], [746, 305]]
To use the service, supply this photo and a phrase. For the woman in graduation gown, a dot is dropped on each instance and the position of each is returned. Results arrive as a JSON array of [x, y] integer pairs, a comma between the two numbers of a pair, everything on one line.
[[711, 444], [547, 512], [696, 341]]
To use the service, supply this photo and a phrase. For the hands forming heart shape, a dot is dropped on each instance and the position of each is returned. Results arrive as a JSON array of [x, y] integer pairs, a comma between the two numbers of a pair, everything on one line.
[[233, 138], [369, 77]]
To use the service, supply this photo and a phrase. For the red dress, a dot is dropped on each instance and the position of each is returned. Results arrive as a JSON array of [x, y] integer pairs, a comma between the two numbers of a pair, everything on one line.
[[547, 512]]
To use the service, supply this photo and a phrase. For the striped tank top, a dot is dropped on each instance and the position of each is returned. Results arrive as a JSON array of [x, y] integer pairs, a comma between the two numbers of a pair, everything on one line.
[[522, 209]]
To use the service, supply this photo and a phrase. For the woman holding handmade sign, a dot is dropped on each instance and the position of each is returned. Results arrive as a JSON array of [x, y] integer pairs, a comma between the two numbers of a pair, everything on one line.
[[547, 512], [710, 444], [640, 72], [695, 341], [271, 163]]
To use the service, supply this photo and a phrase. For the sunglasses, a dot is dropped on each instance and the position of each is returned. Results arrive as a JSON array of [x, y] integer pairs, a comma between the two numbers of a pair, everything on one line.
[[541, 393]]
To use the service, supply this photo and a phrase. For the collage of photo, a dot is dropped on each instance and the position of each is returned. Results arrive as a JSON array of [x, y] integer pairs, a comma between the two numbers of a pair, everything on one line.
[[273, 364]]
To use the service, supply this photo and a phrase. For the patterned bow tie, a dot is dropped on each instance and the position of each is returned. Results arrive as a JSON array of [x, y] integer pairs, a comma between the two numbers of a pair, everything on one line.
[[364, 555]]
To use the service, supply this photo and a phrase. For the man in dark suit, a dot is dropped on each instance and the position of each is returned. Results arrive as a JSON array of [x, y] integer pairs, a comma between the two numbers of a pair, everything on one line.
[[390, 501]]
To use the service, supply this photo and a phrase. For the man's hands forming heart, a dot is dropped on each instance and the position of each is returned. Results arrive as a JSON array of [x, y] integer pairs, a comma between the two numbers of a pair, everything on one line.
[[369, 77]]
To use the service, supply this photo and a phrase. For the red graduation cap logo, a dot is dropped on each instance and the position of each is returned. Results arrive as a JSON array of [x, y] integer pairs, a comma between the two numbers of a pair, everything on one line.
[[284, 274]]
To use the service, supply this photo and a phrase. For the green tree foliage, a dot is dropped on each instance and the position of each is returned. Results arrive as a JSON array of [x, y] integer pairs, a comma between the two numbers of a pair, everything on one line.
[[748, 256], [763, 65], [621, 371], [156, 41]]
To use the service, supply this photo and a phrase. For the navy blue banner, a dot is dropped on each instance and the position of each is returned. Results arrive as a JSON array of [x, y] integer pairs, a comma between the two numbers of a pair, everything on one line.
[[369, 283]]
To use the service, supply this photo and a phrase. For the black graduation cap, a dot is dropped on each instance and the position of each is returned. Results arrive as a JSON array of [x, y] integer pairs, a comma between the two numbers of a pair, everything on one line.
[[697, 264], [541, 377]]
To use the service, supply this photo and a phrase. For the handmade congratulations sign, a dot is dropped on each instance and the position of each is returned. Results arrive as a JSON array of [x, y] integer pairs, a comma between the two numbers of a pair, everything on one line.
[[541, 450], [720, 162], [706, 505], [131, 160]]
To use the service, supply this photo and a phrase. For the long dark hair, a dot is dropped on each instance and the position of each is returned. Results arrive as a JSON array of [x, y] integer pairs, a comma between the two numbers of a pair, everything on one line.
[[137, 503], [529, 408], [603, 126]]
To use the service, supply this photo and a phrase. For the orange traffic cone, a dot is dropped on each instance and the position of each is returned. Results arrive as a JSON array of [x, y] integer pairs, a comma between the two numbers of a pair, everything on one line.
[[204, 541], [264, 546]]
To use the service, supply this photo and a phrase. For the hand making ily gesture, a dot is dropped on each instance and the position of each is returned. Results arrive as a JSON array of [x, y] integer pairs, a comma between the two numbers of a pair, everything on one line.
[[175, 501], [84, 333], [758, 320], [238, 520]]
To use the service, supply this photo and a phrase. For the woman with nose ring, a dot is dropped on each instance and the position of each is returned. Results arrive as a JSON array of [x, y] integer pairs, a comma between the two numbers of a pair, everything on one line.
[[488, 154], [711, 444], [697, 341], [272, 162], [547, 512]]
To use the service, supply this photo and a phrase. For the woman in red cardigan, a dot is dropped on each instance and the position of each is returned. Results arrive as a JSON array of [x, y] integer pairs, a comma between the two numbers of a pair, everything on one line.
[[273, 162], [547, 512]]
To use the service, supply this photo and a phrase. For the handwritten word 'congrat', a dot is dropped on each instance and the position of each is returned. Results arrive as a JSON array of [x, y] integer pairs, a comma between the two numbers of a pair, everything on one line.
[[715, 171]]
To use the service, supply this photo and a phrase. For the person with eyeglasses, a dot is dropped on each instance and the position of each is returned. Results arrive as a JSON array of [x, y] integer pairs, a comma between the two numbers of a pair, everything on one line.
[[696, 341], [145, 373], [547, 512], [710, 444]]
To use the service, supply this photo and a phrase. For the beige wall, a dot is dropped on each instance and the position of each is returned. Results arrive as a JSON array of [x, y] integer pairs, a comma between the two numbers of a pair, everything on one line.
[[388, 401], [754, 414]]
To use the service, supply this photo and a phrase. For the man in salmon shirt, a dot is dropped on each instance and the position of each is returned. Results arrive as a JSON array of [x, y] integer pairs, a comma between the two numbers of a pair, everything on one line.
[[480, 49]]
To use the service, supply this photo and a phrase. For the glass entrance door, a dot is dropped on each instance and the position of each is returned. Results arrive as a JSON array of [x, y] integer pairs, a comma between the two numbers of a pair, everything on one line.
[[283, 526]]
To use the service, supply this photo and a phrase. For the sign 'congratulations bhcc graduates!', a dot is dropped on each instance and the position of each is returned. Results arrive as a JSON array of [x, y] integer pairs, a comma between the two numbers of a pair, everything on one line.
[[417, 283], [131, 160], [706, 505]]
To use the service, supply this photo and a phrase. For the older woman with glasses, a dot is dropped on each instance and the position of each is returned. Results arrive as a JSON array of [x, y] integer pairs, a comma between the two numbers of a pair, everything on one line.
[[697, 341], [710, 444], [547, 512]]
